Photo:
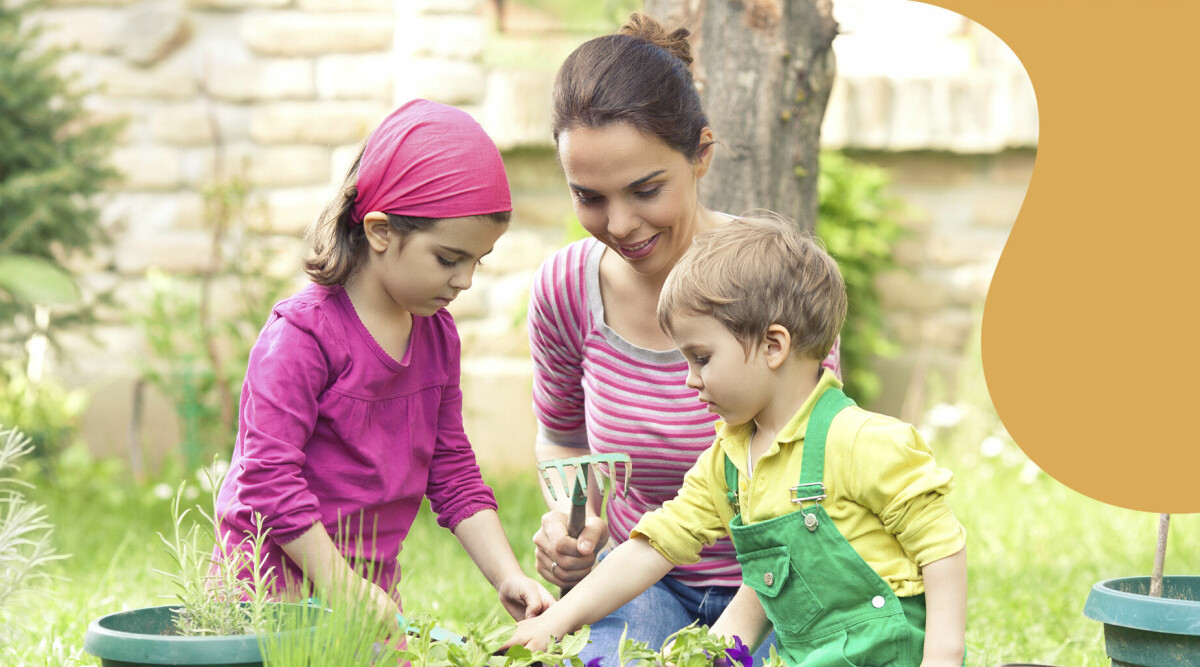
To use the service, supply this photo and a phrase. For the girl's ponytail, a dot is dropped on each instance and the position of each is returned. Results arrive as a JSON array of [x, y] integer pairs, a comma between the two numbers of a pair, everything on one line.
[[337, 242]]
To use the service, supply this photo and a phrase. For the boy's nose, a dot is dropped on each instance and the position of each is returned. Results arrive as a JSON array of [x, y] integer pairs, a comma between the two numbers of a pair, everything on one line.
[[693, 380]]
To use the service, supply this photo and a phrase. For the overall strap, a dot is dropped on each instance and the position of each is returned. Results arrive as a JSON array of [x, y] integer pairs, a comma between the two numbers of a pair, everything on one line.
[[833, 401]]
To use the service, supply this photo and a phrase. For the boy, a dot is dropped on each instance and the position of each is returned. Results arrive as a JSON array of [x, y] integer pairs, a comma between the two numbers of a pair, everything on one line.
[[837, 514]]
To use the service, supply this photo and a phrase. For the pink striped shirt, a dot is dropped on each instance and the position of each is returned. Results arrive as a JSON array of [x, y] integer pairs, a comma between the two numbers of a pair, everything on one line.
[[594, 390]]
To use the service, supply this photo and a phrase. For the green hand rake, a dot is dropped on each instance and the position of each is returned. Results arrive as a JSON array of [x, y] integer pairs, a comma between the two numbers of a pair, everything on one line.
[[582, 465]]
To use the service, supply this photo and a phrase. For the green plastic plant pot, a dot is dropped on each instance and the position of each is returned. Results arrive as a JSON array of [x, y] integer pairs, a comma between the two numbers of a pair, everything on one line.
[[147, 636], [1145, 631]]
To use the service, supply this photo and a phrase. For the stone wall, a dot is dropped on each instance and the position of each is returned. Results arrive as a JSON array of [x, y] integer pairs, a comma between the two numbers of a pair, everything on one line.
[[960, 209], [281, 92]]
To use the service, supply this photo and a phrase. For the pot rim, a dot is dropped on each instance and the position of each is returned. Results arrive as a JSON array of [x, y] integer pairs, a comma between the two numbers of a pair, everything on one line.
[[110, 643], [1109, 603]]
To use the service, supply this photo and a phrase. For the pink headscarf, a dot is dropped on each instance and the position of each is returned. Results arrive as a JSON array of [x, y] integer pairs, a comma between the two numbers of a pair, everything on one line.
[[432, 161]]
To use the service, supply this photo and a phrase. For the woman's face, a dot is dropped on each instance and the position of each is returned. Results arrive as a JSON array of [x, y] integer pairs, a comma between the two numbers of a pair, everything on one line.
[[634, 193]]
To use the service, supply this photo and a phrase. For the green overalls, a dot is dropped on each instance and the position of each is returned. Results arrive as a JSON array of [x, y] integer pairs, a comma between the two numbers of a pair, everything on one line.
[[827, 605]]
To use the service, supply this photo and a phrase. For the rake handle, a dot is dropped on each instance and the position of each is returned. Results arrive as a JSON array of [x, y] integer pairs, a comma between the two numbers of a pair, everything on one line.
[[574, 527], [578, 519]]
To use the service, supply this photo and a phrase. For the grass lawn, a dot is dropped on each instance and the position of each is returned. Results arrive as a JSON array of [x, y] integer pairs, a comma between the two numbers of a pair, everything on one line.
[[1035, 549]]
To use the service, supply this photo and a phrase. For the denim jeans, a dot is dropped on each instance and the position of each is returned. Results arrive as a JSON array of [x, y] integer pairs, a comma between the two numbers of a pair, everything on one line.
[[662, 610]]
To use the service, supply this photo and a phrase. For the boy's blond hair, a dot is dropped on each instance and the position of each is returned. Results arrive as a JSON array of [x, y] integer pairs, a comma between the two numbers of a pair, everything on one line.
[[754, 272]]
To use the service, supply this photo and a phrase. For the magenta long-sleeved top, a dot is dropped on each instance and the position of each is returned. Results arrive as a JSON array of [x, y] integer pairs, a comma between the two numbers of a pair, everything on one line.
[[333, 429]]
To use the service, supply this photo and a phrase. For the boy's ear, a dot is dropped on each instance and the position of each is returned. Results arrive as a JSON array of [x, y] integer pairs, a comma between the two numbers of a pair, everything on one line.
[[777, 345], [378, 230]]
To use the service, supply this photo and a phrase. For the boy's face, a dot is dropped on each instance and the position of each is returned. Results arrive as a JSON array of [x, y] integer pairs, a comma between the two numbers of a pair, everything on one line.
[[734, 385]]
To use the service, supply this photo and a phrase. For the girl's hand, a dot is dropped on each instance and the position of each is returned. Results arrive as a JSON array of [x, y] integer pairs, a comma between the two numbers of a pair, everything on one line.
[[524, 598], [563, 560], [381, 607]]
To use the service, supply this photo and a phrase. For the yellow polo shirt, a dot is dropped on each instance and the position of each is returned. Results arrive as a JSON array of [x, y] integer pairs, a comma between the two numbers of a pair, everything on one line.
[[884, 492]]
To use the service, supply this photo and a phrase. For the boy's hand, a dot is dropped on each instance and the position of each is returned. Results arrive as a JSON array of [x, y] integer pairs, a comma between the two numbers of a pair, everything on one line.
[[563, 560], [534, 634], [523, 597]]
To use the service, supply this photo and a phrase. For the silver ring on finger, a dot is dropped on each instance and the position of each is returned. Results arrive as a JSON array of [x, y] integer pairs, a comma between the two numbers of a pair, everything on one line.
[[553, 567]]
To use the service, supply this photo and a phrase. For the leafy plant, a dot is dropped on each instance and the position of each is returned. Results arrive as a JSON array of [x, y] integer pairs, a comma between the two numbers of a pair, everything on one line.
[[25, 534], [693, 646], [564, 652], [35, 280], [53, 163], [214, 599], [347, 635], [338, 630], [857, 220]]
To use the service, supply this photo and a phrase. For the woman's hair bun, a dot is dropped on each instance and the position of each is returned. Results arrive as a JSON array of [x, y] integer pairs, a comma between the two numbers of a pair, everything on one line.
[[648, 28]]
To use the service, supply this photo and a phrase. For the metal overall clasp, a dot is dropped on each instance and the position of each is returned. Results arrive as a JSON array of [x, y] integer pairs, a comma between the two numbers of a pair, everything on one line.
[[810, 519]]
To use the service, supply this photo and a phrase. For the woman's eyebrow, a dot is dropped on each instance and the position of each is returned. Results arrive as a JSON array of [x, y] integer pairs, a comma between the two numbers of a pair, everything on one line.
[[634, 184], [645, 178]]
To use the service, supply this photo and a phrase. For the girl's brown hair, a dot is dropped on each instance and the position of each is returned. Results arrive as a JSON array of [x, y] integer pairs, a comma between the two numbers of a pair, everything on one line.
[[338, 242], [638, 76]]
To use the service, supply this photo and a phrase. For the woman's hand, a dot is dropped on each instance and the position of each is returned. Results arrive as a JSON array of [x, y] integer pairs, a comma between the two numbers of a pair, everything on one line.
[[524, 598], [564, 560]]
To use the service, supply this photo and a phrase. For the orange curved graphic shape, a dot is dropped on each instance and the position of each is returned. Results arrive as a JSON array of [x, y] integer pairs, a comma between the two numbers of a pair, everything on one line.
[[1090, 338]]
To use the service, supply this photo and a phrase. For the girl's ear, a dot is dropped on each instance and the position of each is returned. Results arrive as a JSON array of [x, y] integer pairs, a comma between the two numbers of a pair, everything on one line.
[[777, 345], [378, 230], [707, 148]]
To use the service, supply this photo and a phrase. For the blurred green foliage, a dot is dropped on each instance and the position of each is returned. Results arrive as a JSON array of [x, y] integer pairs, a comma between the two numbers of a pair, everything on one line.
[[858, 221], [584, 15], [54, 160], [199, 330], [47, 413], [53, 163]]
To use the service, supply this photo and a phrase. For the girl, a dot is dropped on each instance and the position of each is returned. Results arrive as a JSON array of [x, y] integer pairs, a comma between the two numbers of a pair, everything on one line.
[[351, 411], [634, 143]]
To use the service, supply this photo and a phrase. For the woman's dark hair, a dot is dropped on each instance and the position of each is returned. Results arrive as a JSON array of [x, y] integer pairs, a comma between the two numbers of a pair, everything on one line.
[[638, 76], [339, 242]]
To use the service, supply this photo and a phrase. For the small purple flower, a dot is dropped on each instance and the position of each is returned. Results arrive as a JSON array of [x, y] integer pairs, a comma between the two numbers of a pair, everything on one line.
[[594, 662], [740, 653]]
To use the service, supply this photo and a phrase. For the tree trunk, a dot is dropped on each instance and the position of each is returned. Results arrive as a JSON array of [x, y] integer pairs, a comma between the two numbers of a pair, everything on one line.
[[764, 69]]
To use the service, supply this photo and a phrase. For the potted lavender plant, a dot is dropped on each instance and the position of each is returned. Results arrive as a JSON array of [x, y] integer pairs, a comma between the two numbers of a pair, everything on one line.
[[218, 619]]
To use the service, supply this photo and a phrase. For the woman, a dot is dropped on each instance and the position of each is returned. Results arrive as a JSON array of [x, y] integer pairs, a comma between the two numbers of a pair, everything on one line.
[[633, 142]]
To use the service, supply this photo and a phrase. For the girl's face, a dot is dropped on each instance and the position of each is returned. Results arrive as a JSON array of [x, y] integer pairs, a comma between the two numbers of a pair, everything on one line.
[[634, 193], [734, 385], [424, 271]]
